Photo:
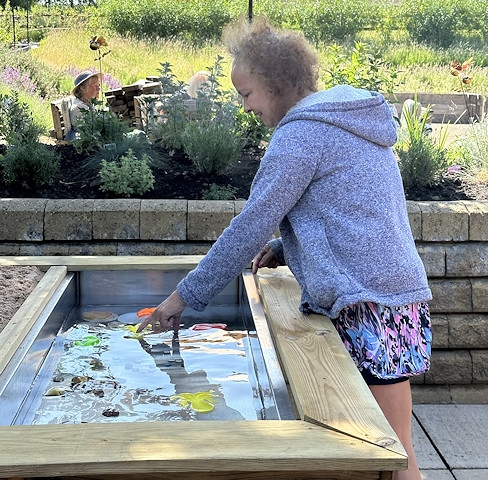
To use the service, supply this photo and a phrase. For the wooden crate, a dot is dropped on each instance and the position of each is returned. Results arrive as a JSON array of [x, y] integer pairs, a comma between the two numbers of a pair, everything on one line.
[[446, 107], [61, 119]]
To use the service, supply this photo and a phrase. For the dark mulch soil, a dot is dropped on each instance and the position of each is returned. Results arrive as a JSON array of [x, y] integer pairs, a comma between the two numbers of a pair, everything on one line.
[[176, 178]]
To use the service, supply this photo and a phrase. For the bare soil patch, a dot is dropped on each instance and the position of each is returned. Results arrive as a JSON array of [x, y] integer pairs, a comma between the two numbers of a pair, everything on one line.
[[16, 283]]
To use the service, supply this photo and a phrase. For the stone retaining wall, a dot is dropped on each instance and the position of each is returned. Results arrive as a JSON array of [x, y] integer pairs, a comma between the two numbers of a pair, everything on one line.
[[452, 239]]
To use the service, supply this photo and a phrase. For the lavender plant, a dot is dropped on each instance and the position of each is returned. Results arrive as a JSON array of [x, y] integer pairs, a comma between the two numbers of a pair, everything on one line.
[[26, 161], [13, 77]]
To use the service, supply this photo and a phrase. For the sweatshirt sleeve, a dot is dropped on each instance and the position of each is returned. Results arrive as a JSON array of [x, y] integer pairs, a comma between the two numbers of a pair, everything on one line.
[[277, 246], [285, 172]]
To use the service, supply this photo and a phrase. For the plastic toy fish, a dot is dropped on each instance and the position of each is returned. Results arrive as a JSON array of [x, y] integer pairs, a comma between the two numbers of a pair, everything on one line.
[[207, 326], [144, 312], [201, 402], [88, 341], [55, 392], [133, 330]]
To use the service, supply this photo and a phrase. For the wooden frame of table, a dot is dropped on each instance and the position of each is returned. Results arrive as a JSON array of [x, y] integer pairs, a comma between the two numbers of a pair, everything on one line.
[[340, 432]]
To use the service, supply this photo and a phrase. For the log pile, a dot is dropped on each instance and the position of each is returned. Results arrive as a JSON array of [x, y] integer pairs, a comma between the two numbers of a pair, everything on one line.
[[121, 100]]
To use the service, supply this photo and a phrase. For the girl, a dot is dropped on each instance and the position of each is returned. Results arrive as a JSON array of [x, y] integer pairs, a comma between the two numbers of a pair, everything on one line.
[[329, 179]]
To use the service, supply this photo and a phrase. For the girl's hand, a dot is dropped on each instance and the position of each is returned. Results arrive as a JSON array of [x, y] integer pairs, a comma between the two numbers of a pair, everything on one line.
[[265, 258], [166, 316]]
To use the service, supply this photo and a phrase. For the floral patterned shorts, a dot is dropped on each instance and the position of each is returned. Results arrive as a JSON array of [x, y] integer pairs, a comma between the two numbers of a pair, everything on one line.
[[390, 342]]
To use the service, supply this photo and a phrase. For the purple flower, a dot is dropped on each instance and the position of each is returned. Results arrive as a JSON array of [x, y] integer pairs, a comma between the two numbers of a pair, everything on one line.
[[18, 80], [454, 169], [108, 80]]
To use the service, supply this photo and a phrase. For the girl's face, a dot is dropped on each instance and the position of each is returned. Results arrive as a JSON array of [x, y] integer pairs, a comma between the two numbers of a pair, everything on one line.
[[257, 97]]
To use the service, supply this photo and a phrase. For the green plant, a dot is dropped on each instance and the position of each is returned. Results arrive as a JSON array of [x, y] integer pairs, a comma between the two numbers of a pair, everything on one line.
[[16, 122], [28, 74], [209, 133], [29, 163], [435, 22], [361, 70], [327, 21], [169, 109], [212, 147], [193, 20], [253, 129], [218, 192], [126, 176], [422, 160], [26, 161], [471, 151], [98, 127], [138, 144]]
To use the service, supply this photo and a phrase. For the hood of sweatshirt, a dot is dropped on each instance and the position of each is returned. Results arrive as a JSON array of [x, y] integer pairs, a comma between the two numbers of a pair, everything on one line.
[[360, 112]]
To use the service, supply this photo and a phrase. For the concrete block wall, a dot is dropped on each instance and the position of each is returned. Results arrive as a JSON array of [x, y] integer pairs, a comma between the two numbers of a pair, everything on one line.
[[452, 240], [451, 237]]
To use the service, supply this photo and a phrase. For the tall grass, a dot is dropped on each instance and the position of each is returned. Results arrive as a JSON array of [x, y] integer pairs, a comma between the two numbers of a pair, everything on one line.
[[129, 60], [421, 68]]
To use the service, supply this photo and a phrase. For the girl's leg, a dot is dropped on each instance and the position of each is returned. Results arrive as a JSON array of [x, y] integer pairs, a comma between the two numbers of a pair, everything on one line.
[[395, 400]]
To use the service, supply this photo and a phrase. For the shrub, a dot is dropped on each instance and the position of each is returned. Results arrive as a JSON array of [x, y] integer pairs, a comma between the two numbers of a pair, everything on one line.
[[25, 72], [212, 147], [16, 119], [210, 134], [422, 160], [138, 144], [362, 70], [471, 150], [476, 17], [98, 127], [217, 192], [169, 109], [30, 164], [213, 138], [435, 22], [126, 176], [327, 21], [26, 161], [191, 20]]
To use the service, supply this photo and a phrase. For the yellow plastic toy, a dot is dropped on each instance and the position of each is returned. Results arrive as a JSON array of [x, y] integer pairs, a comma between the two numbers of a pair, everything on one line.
[[133, 330], [201, 402]]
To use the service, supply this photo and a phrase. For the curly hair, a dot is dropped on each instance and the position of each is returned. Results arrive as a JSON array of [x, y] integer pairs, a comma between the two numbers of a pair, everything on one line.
[[282, 59]]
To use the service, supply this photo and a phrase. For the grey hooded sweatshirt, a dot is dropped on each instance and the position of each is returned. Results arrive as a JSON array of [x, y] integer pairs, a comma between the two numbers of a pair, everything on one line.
[[331, 183]]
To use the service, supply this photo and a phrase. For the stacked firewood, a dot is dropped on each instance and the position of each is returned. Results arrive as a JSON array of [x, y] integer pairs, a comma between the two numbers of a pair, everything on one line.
[[121, 100]]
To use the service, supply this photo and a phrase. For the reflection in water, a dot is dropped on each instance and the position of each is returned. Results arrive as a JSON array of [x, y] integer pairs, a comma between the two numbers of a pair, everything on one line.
[[106, 374]]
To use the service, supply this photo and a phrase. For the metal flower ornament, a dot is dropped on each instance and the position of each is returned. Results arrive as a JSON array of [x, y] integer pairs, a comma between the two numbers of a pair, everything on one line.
[[460, 70], [99, 44]]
